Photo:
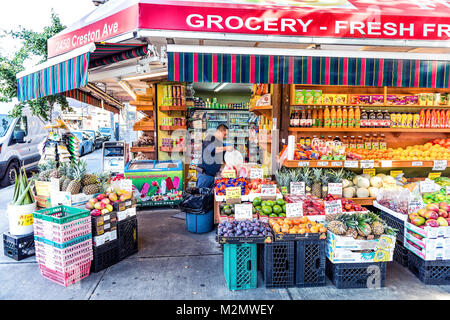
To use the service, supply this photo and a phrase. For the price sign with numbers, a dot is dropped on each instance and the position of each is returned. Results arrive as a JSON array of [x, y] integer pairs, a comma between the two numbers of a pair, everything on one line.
[[294, 209], [303, 164], [427, 186], [25, 220], [395, 173], [370, 172], [256, 173], [439, 165], [298, 188], [336, 164], [351, 164], [333, 207], [243, 211], [335, 189], [322, 164], [416, 163], [434, 175], [367, 164], [233, 194], [268, 190], [386, 163], [415, 205], [229, 174]]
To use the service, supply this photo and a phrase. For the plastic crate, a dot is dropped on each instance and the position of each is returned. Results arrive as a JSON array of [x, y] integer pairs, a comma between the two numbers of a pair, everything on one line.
[[127, 234], [429, 272], [61, 214], [18, 247], [401, 254], [65, 244], [239, 266], [70, 231], [395, 223], [357, 275], [105, 256], [65, 253], [277, 262], [69, 276], [310, 263]]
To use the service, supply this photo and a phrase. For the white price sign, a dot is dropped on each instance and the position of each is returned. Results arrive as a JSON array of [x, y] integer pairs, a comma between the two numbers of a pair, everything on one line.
[[367, 164], [351, 164], [322, 164], [386, 163], [417, 164], [447, 189], [336, 164], [243, 211], [333, 207], [294, 210], [256, 173], [61, 198], [335, 189], [415, 205], [427, 186], [303, 164], [439, 165], [298, 188], [54, 185], [269, 190]]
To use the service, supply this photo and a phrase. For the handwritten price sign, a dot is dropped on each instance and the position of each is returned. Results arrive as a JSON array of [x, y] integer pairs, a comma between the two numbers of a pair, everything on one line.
[[298, 188], [256, 173], [233, 194], [294, 210], [333, 207], [243, 211], [335, 188]]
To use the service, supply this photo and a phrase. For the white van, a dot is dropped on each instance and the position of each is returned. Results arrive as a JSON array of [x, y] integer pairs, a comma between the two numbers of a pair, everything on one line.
[[19, 141]]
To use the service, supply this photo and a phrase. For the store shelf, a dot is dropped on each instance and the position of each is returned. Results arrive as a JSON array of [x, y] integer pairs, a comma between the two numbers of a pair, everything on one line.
[[217, 109], [262, 110], [364, 201], [142, 103], [340, 164], [375, 130], [173, 108], [143, 128], [144, 108], [368, 105], [169, 150], [143, 149], [172, 128]]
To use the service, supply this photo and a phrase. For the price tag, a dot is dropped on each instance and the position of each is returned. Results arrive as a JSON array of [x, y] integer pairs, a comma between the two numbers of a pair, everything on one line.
[[335, 189], [256, 173], [336, 164], [415, 205], [395, 173], [367, 164], [333, 207], [416, 163], [322, 164], [61, 198], [243, 211], [294, 210], [233, 194], [25, 220], [439, 165], [386, 163], [303, 164], [229, 174], [126, 185], [447, 189], [268, 190], [427, 186], [434, 175], [370, 172], [298, 188], [351, 164], [54, 185]]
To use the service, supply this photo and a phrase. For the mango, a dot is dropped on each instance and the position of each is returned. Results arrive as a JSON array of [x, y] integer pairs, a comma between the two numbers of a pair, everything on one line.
[[433, 207], [422, 212], [418, 221], [431, 215], [442, 222], [432, 223]]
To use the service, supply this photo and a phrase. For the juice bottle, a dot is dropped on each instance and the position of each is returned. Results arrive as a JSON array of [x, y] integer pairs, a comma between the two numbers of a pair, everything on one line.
[[352, 143], [409, 120], [314, 117], [404, 120], [333, 117], [447, 118], [357, 117], [380, 119], [428, 118], [326, 117], [351, 118], [308, 141], [443, 119], [383, 144], [422, 118], [309, 118], [375, 142], [345, 142], [433, 118], [393, 120], [416, 120], [367, 142], [360, 143], [387, 119], [372, 119], [344, 117], [339, 117], [303, 119], [320, 118]]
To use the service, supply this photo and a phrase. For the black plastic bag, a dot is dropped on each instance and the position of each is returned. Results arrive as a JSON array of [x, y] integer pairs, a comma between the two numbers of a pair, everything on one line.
[[197, 200]]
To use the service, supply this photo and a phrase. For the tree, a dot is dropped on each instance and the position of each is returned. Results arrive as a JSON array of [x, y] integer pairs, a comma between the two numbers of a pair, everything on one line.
[[34, 46]]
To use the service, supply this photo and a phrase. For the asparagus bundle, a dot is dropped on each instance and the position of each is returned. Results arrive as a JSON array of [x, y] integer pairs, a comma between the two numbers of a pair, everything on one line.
[[22, 190]]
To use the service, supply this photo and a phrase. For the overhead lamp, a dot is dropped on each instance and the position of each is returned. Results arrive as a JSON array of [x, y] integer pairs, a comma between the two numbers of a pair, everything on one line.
[[147, 76], [128, 89], [220, 86]]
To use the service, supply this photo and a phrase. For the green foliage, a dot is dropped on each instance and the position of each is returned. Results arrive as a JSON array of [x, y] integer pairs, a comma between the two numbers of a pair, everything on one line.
[[34, 45]]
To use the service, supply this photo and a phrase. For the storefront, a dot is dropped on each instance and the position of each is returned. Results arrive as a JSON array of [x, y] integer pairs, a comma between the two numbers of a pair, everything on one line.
[[331, 97]]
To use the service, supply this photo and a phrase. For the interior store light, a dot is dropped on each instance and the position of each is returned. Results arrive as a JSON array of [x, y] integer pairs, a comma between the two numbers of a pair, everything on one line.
[[147, 76], [220, 87], [128, 89]]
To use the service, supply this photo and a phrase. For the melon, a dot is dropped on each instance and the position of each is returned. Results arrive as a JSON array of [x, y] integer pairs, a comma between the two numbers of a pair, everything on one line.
[[367, 176], [363, 183], [349, 192], [388, 179], [376, 182], [381, 175], [362, 193], [373, 192]]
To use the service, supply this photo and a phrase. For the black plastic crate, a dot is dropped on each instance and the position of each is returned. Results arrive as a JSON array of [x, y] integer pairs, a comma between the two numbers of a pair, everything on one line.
[[357, 275], [127, 234], [429, 272], [18, 247], [105, 256], [310, 263], [395, 223], [401, 254], [277, 261]]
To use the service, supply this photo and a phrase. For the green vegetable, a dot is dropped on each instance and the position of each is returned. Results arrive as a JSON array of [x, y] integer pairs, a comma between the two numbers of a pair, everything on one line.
[[22, 189]]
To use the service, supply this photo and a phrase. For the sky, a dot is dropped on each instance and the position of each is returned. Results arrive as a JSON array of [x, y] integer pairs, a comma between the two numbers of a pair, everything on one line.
[[35, 15]]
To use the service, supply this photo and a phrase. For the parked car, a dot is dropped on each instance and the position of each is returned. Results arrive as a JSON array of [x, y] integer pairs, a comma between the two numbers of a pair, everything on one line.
[[107, 132], [86, 142], [98, 138], [19, 141]]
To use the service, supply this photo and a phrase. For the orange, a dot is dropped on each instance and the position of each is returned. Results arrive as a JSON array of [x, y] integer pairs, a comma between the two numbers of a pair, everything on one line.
[[314, 229]]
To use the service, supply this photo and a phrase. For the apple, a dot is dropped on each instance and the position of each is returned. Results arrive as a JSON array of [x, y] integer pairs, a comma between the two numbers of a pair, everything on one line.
[[113, 197], [109, 207], [106, 201], [443, 213], [105, 211], [95, 212], [432, 206]]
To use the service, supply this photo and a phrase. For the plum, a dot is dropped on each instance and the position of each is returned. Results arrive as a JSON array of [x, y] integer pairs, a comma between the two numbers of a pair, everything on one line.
[[254, 233], [246, 233]]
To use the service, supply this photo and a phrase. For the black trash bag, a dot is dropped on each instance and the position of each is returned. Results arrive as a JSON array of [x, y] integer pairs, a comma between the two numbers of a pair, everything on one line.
[[197, 200]]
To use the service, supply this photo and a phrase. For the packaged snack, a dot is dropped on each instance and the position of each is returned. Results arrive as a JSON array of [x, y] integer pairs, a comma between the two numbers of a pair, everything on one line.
[[308, 96], [353, 98], [340, 99], [317, 96], [442, 99], [412, 100], [364, 99], [377, 99], [430, 99], [391, 99], [422, 99], [327, 99], [299, 96]]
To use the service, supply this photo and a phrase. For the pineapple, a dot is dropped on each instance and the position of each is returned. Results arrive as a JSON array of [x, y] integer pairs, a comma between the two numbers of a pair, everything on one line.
[[362, 226], [337, 227], [306, 175], [351, 232], [89, 179], [376, 225], [55, 173], [79, 170], [91, 189], [317, 185], [325, 179]]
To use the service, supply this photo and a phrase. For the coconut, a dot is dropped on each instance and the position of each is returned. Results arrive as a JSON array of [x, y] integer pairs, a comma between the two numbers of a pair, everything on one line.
[[363, 183], [373, 192], [362, 193], [349, 192], [346, 183], [376, 182]]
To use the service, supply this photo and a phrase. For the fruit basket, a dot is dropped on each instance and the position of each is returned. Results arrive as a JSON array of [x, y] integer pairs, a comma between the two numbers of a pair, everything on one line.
[[291, 229], [248, 231], [312, 206], [269, 209]]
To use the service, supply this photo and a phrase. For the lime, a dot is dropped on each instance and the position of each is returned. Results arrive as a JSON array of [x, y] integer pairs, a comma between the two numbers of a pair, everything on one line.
[[267, 209], [284, 208], [270, 203], [282, 214], [227, 211], [257, 202], [277, 209], [258, 208], [280, 202], [273, 216]]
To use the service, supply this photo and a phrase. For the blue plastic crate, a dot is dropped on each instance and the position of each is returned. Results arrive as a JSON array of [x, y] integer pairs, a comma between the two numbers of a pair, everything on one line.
[[310, 263], [395, 223], [239, 266], [429, 272], [277, 261], [357, 275], [401, 254]]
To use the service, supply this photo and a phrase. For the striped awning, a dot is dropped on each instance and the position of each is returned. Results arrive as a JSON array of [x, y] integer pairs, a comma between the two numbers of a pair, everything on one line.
[[240, 68], [57, 77], [88, 98]]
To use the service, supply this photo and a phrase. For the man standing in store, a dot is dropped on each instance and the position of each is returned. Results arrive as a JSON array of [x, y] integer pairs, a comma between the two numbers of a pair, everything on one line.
[[213, 151]]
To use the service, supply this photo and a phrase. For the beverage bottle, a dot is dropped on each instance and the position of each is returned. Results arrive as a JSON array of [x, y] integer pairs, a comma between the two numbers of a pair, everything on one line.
[[308, 141], [433, 118], [443, 119], [372, 119], [387, 119], [333, 117], [303, 118], [352, 143], [383, 144], [339, 118], [404, 120], [292, 119], [367, 142], [327, 117], [422, 118], [309, 118], [357, 117], [344, 117], [345, 142], [416, 120], [364, 119], [351, 117], [393, 120], [375, 142], [320, 118], [314, 117], [380, 119], [302, 141], [428, 118], [409, 120], [360, 143], [447, 118]]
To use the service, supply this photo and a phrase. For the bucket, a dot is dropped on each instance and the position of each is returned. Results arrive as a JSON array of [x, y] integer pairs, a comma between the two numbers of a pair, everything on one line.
[[200, 223], [20, 219]]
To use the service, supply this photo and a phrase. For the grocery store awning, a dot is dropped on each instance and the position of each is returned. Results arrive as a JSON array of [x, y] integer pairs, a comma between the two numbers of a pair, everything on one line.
[[94, 96], [69, 72], [314, 67]]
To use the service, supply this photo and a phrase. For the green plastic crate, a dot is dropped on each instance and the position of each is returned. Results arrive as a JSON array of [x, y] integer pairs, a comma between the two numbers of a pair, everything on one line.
[[65, 244], [239, 264], [61, 214]]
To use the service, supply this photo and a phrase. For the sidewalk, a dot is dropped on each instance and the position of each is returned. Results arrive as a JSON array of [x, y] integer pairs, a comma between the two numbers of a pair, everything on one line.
[[174, 264]]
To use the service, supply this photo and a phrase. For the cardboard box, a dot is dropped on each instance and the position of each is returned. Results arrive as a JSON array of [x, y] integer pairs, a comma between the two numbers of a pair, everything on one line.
[[104, 238], [428, 232], [428, 249], [429, 254], [42, 201], [347, 250], [42, 188]]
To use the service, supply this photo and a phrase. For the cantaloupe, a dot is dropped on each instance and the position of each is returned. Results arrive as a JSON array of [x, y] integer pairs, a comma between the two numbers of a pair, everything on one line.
[[362, 193], [349, 192], [376, 182], [363, 183], [373, 192]]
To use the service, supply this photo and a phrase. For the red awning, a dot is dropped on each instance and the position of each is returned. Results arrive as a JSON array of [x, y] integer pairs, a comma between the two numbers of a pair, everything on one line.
[[384, 20]]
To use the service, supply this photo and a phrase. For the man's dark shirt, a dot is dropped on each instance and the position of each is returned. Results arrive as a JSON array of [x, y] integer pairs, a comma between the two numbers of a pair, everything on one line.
[[211, 163]]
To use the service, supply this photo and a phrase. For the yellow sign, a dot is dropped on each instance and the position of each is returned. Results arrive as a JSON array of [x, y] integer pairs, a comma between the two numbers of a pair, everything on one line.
[[25, 220], [371, 172], [434, 175], [229, 174], [233, 193], [395, 173]]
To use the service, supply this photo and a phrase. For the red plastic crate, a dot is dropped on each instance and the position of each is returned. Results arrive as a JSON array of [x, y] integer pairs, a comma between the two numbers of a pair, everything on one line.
[[70, 276]]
